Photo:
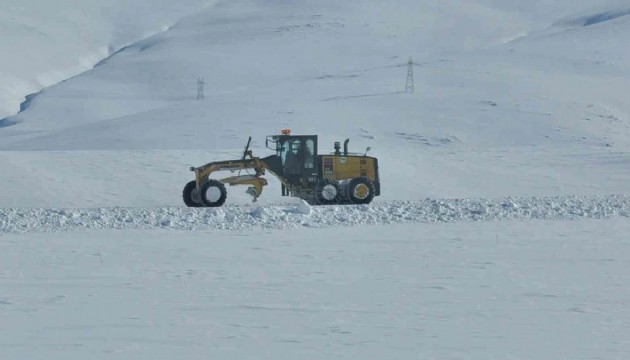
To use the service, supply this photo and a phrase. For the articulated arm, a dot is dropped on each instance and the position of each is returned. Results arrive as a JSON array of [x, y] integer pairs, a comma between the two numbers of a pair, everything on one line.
[[256, 181]]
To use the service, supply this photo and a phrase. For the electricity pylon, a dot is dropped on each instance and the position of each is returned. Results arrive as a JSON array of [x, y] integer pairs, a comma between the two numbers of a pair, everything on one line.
[[409, 86], [201, 84]]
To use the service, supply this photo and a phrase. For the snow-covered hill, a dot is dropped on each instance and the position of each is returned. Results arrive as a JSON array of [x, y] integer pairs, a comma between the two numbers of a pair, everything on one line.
[[45, 42], [339, 69]]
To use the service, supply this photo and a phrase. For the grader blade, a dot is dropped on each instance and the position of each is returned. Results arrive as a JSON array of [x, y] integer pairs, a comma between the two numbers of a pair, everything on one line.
[[257, 183]]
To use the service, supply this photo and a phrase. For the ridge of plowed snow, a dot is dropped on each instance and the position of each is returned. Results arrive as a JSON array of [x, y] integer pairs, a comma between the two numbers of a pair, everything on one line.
[[291, 217]]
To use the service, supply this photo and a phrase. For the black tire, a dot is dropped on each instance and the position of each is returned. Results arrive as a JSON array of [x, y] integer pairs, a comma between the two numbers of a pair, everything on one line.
[[191, 195], [213, 193], [327, 192], [360, 191]]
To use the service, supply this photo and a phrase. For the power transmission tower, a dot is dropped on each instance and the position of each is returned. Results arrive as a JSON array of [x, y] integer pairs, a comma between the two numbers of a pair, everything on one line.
[[201, 84], [409, 87]]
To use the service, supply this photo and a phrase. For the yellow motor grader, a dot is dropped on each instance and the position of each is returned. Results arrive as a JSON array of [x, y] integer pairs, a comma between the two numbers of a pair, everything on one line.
[[335, 178]]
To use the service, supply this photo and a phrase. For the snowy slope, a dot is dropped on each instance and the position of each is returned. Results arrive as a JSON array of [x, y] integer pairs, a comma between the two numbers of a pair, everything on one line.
[[264, 65], [45, 42]]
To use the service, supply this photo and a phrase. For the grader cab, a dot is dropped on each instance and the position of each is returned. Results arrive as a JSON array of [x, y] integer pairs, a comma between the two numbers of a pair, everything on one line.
[[320, 179]]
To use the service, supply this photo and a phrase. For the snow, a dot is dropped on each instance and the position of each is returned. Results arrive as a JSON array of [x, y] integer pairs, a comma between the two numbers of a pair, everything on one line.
[[303, 208], [48, 42], [278, 217], [263, 73], [510, 289], [500, 232], [590, 19]]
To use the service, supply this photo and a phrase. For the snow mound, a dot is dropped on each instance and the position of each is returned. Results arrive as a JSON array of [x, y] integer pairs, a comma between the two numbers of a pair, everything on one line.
[[303, 208], [290, 217], [268, 213]]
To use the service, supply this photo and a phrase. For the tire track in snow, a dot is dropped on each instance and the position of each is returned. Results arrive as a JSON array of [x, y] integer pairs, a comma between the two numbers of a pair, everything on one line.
[[300, 215]]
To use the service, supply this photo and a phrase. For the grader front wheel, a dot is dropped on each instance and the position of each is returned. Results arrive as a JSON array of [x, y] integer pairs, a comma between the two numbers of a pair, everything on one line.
[[213, 193], [191, 196]]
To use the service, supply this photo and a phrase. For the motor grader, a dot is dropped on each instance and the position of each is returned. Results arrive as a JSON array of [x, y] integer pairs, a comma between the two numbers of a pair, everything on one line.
[[319, 179]]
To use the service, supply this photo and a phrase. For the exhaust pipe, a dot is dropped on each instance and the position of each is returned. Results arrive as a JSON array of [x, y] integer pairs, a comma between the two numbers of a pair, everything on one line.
[[345, 147]]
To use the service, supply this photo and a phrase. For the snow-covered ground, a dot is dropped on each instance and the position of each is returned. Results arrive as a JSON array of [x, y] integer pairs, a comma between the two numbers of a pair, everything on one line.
[[487, 290], [155, 178], [500, 232]]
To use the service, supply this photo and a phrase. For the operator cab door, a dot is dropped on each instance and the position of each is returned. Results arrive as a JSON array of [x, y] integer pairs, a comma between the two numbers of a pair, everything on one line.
[[298, 154]]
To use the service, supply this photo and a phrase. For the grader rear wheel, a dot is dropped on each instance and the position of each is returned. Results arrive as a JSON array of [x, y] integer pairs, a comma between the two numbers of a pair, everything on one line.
[[361, 191], [327, 192]]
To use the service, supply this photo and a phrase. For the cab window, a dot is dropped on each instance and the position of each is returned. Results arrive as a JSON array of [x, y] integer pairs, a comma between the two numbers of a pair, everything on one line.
[[309, 154]]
